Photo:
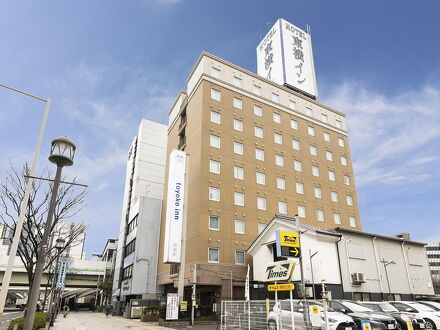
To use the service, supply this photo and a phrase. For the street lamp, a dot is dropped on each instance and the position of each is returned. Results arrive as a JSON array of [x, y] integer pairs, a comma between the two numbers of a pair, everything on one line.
[[385, 264], [311, 255], [62, 153], [59, 245]]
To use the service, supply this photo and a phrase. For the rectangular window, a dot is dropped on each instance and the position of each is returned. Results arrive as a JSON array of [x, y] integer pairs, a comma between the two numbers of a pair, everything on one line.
[[297, 165], [261, 227], [292, 104], [214, 141], [257, 90], [337, 218], [331, 176], [259, 154], [293, 124], [240, 227], [238, 103], [258, 111], [213, 254], [313, 151], [326, 137], [281, 183], [311, 130], [329, 155], [261, 178], [299, 188], [320, 215], [346, 180], [282, 207], [238, 173], [341, 142], [324, 118], [301, 211], [238, 198], [334, 196], [318, 192], [296, 145], [214, 222], [349, 200], [261, 203], [215, 72], [279, 160], [352, 222], [344, 160], [239, 257], [238, 125], [338, 123], [309, 112], [315, 170], [214, 166], [236, 81], [275, 97], [216, 95], [215, 117], [214, 194], [276, 118], [238, 148], [259, 132], [278, 138]]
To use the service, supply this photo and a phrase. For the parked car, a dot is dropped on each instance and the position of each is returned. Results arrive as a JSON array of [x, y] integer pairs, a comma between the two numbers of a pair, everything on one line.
[[359, 313], [431, 317], [433, 304], [401, 317], [337, 321]]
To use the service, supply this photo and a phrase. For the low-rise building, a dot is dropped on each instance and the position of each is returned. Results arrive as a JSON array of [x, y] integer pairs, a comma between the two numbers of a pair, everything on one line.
[[433, 254]]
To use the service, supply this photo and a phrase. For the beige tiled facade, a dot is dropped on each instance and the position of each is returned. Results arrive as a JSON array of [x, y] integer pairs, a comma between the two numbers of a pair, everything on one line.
[[204, 116]]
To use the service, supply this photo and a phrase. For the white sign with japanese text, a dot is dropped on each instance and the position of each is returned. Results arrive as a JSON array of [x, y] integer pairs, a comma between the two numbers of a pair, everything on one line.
[[285, 56], [172, 306]]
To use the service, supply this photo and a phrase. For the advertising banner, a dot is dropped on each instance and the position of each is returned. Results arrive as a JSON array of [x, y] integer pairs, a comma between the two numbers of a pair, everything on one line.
[[172, 306]]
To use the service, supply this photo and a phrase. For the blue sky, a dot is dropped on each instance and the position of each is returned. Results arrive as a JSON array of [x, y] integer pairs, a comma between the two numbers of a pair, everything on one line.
[[108, 64]]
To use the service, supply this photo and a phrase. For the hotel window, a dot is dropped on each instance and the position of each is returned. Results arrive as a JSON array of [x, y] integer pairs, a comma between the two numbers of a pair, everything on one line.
[[344, 160], [324, 118], [261, 203], [334, 196], [338, 123], [311, 130], [320, 215], [275, 97], [337, 218], [216, 95], [236, 81], [279, 160], [331, 176], [276, 117], [239, 257], [326, 137], [329, 155], [215, 72], [346, 180], [215, 117], [238, 125], [238, 148], [341, 142], [261, 227], [309, 112], [259, 132], [257, 90], [318, 192], [293, 124], [239, 198], [281, 183], [214, 166], [278, 138], [297, 165], [315, 170], [214, 141], [349, 200], [238, 103], [213, 254], [292, 104], [296, 145], [214, 222], [238, 173], [282, 207], [301, 211], [261, 178], [258, 111], [352, 222], [299, 188], [214, 194], [313, 151], [259, 154], [240, 227]]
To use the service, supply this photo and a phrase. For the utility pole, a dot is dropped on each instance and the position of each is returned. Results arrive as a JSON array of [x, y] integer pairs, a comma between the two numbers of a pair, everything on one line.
[[193, 296]]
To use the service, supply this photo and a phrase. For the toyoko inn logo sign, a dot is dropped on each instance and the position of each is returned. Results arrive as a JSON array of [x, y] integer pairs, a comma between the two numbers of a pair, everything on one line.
[[279, 271], [285, 56], [175, 200]]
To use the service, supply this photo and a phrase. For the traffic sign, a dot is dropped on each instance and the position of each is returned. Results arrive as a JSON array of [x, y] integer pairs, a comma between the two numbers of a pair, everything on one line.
[[281, 287], [288, 244]]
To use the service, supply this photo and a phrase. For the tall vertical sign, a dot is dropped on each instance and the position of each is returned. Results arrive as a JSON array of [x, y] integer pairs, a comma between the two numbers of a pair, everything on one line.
[[285, 56], [174, 212]]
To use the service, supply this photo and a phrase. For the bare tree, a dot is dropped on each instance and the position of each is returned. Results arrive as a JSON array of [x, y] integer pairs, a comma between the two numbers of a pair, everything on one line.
[[69, 202]]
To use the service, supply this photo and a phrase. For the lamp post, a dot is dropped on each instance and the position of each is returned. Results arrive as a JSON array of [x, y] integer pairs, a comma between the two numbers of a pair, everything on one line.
[[62, 152], [311, 255], [385, 264], [59, 245]]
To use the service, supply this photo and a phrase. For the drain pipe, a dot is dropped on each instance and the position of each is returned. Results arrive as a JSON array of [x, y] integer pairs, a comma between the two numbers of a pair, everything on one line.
[[348, 265], [377, 266]]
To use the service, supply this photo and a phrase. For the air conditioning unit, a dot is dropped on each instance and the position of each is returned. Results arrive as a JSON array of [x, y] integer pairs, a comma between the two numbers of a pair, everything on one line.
[[357, 278]]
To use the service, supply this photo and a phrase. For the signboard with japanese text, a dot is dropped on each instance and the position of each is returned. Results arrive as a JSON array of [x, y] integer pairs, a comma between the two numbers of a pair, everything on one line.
[[62, 273], [172, 312], [288, 244], [281, 287], [285, 56]]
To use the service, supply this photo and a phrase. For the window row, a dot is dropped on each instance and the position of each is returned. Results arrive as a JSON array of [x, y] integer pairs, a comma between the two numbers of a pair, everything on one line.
[[127, 272], [129, 248], [132, 225], [214, 256]]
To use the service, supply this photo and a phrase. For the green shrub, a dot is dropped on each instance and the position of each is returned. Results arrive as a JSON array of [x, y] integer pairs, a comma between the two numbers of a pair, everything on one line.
[[152, 310], [39, 322], [163, 311]]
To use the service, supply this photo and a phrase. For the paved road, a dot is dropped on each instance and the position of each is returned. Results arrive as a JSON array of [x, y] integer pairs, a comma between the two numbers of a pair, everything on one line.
[[7, 317]]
